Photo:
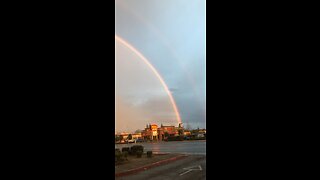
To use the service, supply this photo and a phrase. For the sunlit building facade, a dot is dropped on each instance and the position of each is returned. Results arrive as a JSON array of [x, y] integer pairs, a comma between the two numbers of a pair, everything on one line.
[[153, 132]]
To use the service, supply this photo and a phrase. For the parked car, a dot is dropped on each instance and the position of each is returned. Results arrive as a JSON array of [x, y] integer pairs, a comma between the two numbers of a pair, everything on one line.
[[131, 141], [140, 140]]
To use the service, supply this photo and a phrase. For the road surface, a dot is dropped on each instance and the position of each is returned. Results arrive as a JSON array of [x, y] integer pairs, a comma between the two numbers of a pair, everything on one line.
[[182, 147], [192, 167]]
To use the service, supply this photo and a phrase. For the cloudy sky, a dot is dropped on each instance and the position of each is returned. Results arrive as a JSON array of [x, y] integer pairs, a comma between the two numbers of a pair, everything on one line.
[[171, 35]]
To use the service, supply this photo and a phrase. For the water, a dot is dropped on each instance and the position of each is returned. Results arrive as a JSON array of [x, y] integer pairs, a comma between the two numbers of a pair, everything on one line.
[[184, 147]]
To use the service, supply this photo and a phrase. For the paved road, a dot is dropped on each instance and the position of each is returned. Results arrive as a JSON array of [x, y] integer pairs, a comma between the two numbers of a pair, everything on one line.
[[192, 167], [183, 147]]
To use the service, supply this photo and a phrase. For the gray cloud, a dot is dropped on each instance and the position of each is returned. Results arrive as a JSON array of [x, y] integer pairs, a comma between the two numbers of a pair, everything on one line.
[[171, 34]]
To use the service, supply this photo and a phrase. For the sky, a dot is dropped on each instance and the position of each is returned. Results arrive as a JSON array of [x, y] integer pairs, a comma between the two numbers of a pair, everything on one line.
[[171, 35]]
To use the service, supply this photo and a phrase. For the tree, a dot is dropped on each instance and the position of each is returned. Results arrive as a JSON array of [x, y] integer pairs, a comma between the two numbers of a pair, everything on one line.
[[121, 138], [117, 138], [129, 137], [138, 131], [180, 132], [166, 134]]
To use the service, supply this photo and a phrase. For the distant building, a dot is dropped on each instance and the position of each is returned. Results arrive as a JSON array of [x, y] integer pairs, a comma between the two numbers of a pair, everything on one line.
[[153, 132], [199, 133], [136, 136], [187, 133], [150, 132]]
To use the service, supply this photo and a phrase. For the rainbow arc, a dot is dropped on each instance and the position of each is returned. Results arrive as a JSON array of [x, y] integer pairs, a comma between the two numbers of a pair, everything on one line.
[[153, 69]]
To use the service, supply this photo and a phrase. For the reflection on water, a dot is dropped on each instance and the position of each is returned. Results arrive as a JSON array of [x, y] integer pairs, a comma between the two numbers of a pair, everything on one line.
[[185, 147]]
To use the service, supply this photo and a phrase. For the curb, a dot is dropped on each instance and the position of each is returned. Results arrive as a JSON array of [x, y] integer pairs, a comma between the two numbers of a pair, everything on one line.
[[133, 171]]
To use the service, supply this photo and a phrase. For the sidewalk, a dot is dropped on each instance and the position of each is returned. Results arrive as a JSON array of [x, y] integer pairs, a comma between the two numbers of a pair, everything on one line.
[[135, 165]]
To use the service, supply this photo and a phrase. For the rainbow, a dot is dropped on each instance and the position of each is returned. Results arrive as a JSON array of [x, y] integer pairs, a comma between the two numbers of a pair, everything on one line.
[[145, 60]]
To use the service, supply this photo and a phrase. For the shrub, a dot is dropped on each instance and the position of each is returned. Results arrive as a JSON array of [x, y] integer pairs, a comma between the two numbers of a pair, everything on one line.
[[136, 148], [126, 149], [175, 138], [149, 154], [125, 155], [139, 153], [118, 155]]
